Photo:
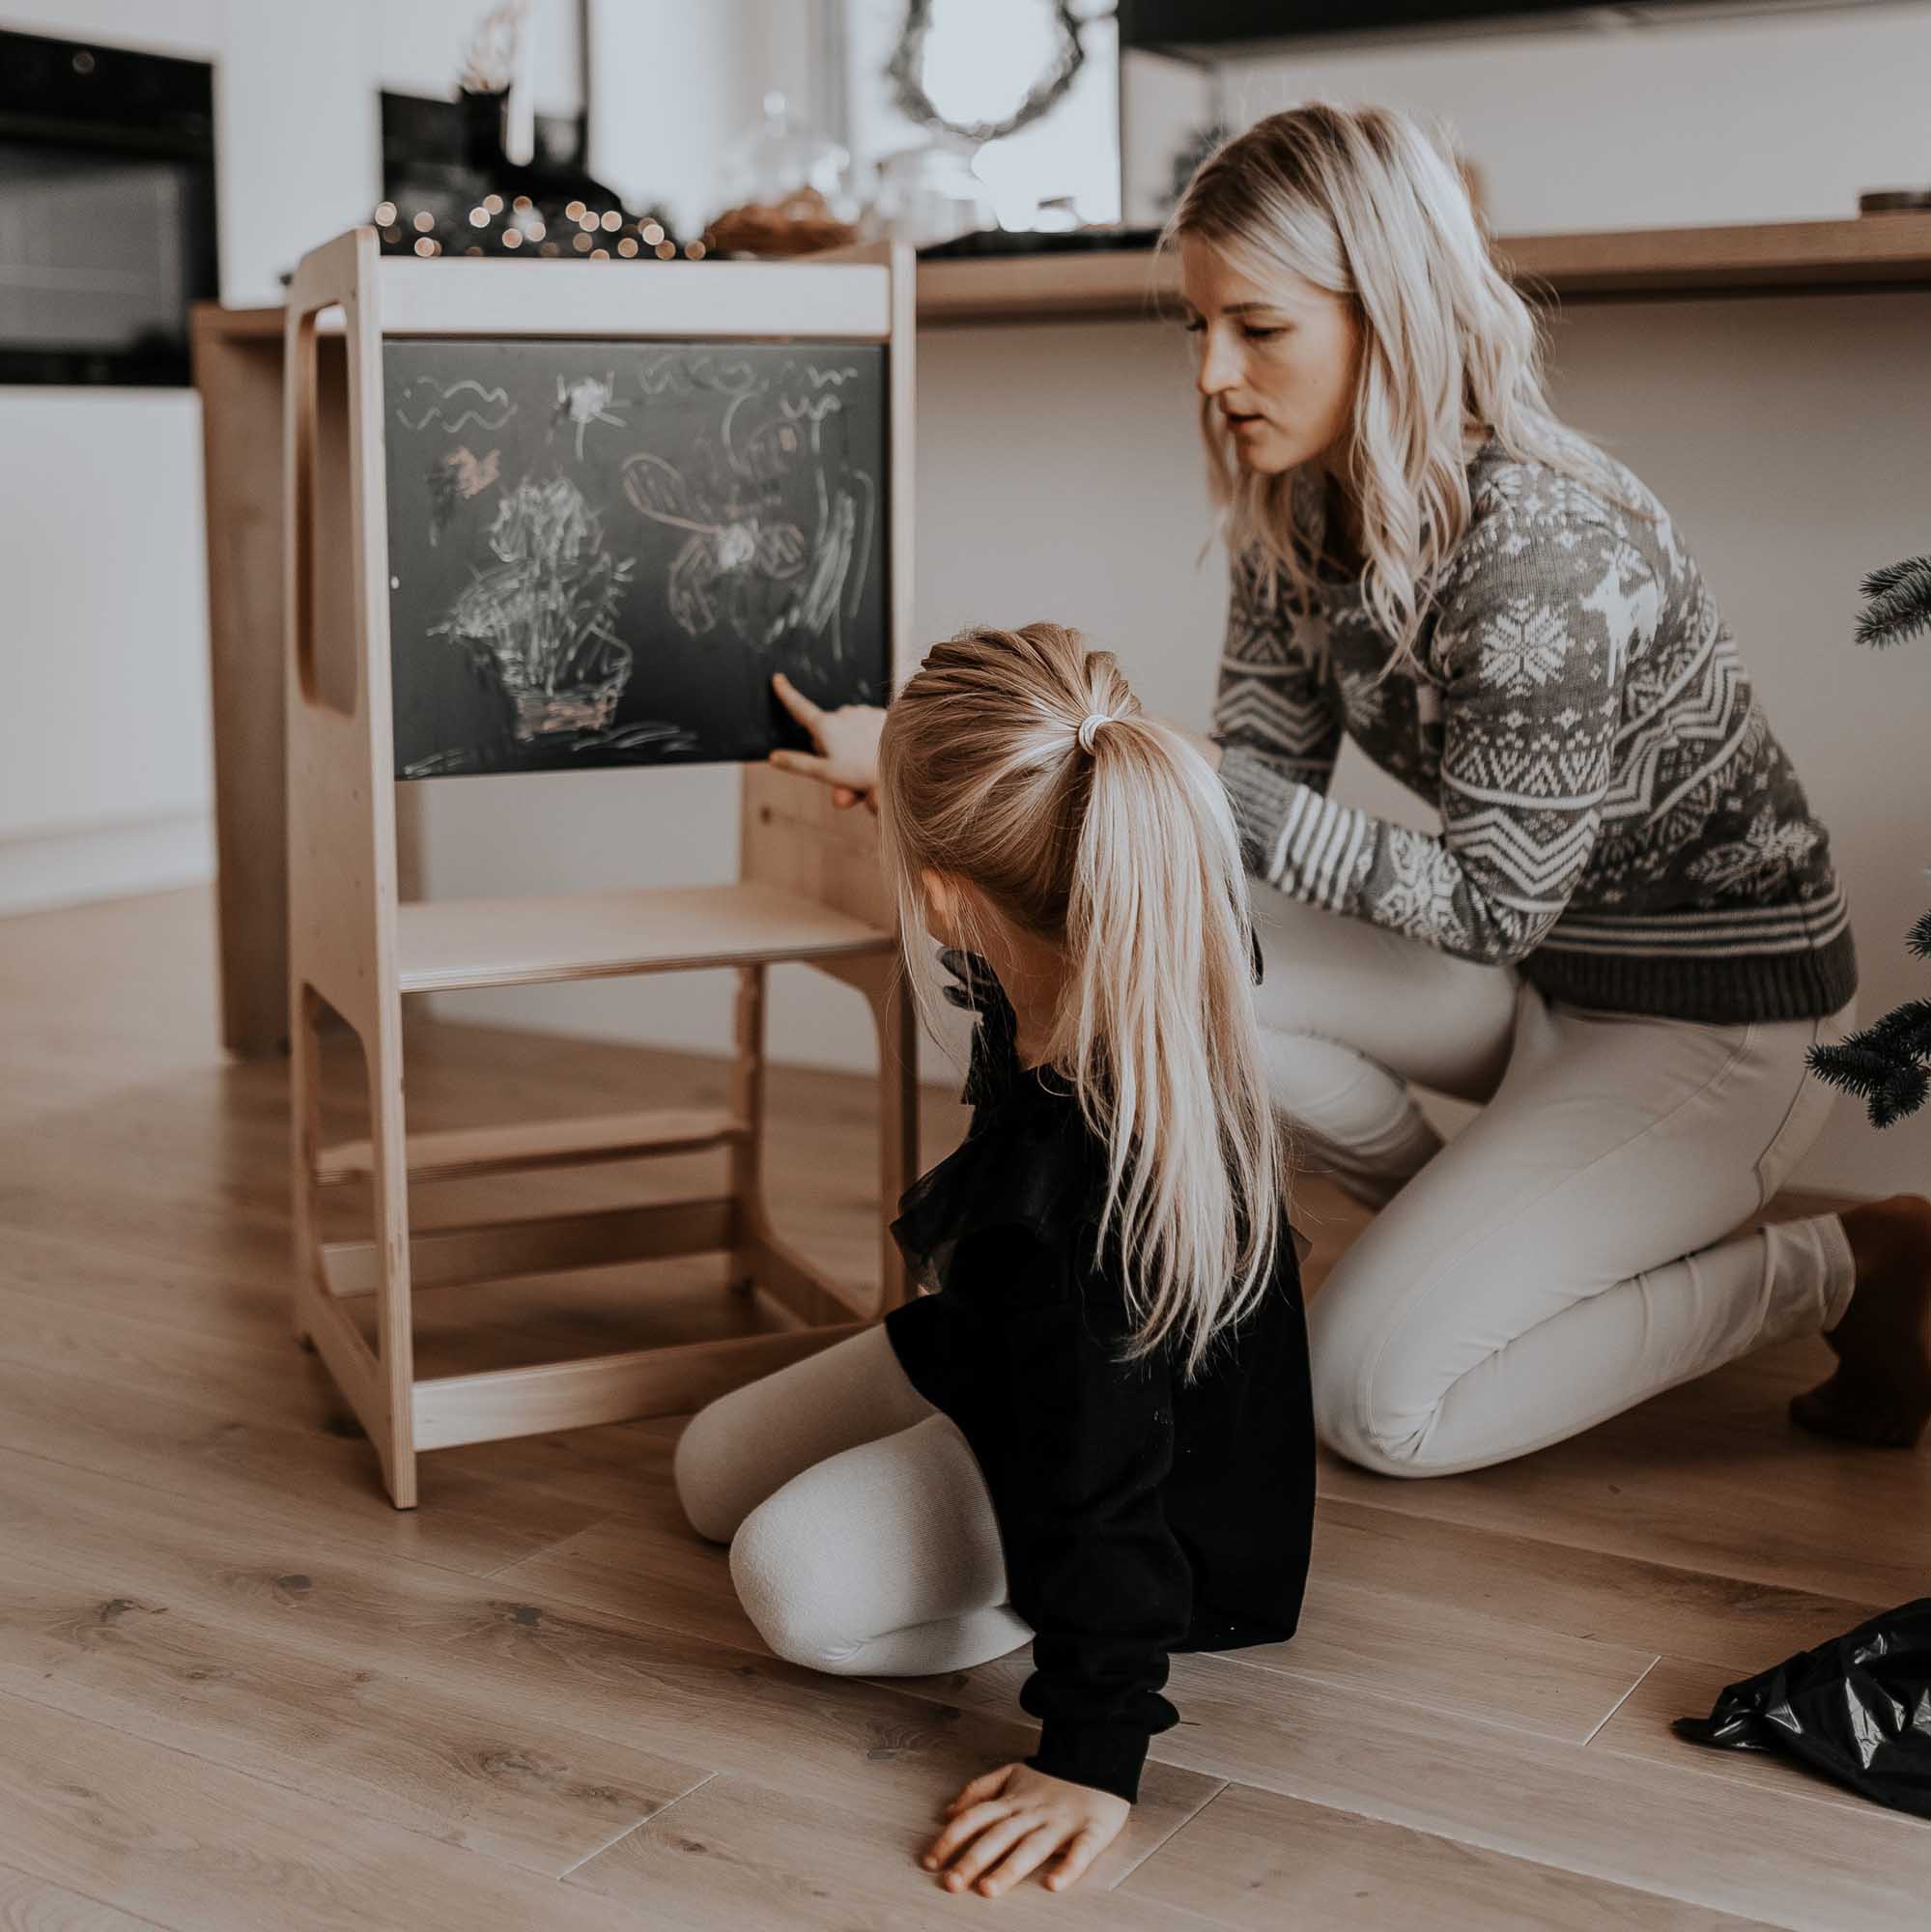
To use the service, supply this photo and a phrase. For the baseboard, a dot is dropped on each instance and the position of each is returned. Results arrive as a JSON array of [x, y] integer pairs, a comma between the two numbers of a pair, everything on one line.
[[70, 864]]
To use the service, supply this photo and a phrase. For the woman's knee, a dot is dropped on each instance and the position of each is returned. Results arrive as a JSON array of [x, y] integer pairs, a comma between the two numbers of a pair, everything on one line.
[[1357, 1411], [793, 1587]]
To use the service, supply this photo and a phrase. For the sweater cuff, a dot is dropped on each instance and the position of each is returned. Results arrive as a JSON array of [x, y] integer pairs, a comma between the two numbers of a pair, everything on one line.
[[1261, 794], [1109, 1757]]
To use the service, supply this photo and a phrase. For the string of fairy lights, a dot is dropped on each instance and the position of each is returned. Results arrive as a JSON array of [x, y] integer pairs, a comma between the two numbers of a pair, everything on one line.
[[515, 226]]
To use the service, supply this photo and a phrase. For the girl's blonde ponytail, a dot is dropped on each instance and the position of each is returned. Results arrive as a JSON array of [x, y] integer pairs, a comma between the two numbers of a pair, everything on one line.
[[1021, 763]]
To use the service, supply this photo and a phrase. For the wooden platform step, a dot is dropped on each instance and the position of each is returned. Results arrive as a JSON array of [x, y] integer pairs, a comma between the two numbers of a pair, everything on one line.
[[447, 945], [583, 1142], [542, 1244]]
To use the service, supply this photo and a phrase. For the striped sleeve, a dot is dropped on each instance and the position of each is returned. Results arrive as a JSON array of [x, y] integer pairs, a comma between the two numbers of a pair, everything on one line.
[[1277, 732], [1532, 641]]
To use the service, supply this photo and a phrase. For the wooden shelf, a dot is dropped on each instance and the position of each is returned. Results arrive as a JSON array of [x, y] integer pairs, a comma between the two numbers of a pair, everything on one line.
[[1875, 251], [1867, 253], [1045, 288], [463, 1152], [446, 945]]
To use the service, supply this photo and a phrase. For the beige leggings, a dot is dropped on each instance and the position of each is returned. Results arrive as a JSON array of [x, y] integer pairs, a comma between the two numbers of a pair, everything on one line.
[[863, 1539], [1571, 1251]]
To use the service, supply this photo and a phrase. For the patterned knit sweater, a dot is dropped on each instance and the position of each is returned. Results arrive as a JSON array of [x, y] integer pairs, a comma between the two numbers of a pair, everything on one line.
[[1616, 816]]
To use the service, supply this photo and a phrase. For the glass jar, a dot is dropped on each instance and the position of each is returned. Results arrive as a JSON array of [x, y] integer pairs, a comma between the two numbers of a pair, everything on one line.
[[929, 193]]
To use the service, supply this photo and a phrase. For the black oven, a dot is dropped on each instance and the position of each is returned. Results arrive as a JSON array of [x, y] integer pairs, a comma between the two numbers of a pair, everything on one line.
[[106, 211]]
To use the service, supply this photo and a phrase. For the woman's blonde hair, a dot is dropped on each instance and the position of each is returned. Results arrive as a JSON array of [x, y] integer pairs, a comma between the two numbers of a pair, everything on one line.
[[1360, 202], [1020, 763]]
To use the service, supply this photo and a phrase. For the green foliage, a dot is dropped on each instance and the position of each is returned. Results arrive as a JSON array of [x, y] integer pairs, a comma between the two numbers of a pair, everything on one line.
[[1900, 601], [1887, 1064]]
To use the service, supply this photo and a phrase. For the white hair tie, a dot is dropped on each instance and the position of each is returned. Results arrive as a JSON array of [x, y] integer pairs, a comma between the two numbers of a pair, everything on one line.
[[1089, 727]]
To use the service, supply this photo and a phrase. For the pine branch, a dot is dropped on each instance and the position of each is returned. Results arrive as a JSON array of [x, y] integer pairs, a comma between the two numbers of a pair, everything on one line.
[[1852, 1064], [1889, 1087], [1901, 1097], [1882, 579], [1904, 1032], [1902, 608]]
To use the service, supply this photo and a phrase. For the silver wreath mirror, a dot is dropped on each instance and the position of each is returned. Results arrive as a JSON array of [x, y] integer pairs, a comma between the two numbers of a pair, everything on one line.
[[959, 63]]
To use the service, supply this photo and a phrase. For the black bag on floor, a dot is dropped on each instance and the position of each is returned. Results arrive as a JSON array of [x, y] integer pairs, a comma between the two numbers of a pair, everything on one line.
[[1858, 1709]]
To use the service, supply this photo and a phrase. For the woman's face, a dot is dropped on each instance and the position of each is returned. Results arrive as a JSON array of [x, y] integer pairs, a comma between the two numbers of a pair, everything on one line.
[[1278, 361]]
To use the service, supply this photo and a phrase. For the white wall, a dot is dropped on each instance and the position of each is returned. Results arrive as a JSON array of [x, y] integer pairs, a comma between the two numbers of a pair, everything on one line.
[[1654, 122], [671, 91], [105, 772], [105, 778]]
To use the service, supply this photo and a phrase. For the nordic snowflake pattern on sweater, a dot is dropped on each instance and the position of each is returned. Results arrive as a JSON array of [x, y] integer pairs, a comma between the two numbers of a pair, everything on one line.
[[1617, 815]]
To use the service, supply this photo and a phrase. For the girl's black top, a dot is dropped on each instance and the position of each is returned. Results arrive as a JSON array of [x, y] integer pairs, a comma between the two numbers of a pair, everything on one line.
[[1139, 1514]]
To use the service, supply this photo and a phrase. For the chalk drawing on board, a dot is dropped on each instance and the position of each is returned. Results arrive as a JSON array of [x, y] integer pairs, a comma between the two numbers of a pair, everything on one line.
[[587, 401], [612, 577], [739, 550], [540, 618], [454, 406], [445, 764], [455, 478]]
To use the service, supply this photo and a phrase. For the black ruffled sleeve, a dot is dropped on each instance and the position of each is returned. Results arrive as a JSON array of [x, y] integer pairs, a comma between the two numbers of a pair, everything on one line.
[[1021, 1346], [1075, 1460]]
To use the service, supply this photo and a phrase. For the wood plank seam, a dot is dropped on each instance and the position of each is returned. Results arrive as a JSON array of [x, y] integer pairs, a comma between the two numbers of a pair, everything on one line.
[[649, 1818], [1620, 1703]]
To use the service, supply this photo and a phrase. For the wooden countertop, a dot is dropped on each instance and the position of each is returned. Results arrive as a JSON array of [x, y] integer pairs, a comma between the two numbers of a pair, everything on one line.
[[1871, 253]]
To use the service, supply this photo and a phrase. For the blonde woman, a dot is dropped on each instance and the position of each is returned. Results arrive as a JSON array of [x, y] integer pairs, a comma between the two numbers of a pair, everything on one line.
[[1097, 1432], [1628, 934]]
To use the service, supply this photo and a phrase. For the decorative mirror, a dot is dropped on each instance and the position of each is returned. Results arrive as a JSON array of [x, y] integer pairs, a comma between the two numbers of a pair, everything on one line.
[[981, 69]]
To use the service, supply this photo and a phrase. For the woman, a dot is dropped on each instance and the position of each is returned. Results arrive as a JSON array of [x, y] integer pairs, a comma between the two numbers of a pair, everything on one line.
[[1628, 934]]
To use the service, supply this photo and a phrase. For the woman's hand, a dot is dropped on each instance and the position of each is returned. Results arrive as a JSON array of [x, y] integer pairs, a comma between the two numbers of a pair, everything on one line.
[[1009, 1822], [847, 742]]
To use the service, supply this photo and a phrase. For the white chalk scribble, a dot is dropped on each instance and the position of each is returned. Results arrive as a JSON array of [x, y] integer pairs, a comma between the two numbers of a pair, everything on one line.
[[540, 619], [586, 401], [745, 560], [455, 406]]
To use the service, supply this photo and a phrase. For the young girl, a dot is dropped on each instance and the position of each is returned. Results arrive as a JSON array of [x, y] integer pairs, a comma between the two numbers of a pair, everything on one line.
[[1095, 1432]]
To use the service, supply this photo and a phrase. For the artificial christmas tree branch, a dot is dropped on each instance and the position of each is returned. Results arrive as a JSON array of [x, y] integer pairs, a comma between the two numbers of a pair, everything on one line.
[[1900, 601], [1887, 1063]]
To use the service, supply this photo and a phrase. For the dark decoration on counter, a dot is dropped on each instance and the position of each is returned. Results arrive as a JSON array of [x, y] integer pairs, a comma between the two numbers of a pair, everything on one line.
[[1858, 1709], [450, 188], [1894, 201], [904, 71], [1887, 1064]]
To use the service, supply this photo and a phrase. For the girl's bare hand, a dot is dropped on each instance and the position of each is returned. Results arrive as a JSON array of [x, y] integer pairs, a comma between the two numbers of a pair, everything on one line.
[[1009, 1822], [846, 741]]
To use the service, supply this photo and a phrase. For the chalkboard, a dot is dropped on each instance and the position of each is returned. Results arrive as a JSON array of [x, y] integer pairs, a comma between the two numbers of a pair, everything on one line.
[[599, 552]]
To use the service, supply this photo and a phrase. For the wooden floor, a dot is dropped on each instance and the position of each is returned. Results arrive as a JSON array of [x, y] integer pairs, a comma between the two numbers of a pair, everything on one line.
[[237, 1691]]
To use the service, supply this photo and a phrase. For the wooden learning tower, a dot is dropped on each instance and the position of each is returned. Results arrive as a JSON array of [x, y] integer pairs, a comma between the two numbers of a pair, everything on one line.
[[809, 888]]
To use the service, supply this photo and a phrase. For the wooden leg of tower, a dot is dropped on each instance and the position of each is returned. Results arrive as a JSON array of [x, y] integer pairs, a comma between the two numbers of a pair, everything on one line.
[[747, 1105], [394, 1427]]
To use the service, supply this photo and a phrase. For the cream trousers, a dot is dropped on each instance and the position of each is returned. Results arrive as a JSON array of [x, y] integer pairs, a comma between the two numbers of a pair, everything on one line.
[[863, 1536], [1573, 1250]]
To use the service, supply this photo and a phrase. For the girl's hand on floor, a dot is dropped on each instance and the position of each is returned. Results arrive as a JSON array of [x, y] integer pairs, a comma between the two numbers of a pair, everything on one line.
[[846, 741], [1009, 1822]]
